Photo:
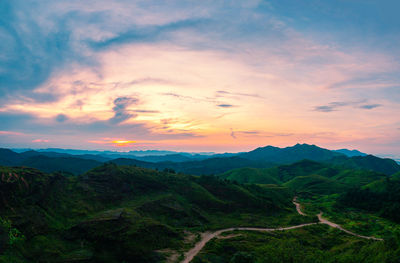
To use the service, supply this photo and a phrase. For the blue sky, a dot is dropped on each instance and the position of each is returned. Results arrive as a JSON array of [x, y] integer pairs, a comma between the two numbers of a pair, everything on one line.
[[191, 75]]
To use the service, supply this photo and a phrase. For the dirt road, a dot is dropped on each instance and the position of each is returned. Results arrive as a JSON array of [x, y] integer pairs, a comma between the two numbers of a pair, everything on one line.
[[207, 236]]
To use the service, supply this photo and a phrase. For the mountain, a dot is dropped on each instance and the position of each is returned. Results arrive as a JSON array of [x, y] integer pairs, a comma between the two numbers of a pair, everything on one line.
[[164, 158], [9, 158], [71, 165], [350, 153], [291, 154], [264, 157]]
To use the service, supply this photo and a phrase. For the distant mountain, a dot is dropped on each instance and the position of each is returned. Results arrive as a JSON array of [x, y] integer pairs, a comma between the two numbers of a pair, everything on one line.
[[164, 158], [49, 161], [292, 154], [350, 153], [9, 158], [117, 154], [64, 164], [263, 157]]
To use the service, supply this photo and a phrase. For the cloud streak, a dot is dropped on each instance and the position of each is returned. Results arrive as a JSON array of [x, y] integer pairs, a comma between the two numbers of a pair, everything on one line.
[[335, 106]]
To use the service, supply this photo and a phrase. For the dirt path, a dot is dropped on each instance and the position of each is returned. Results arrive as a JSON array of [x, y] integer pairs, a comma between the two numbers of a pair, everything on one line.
[[329, 223], [298, 207], [207, 236]]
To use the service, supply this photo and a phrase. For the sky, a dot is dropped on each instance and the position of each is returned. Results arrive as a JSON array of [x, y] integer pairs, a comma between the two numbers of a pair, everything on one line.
[[222, 76]]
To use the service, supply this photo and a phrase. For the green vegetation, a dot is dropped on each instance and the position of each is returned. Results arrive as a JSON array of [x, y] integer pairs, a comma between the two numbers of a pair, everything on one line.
[[119, 213], [250, 176], [317, 243], [315, 184]]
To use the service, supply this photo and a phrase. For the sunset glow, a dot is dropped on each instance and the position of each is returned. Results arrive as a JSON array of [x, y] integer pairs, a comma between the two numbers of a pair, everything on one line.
[[123, 143], [189, 77]]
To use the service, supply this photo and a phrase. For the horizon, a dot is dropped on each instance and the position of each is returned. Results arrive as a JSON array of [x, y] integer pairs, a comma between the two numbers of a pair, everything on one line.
[[179, 152], [184, 77]]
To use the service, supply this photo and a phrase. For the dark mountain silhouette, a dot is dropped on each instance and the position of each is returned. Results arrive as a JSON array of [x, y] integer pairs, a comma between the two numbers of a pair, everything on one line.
[[290, 154]]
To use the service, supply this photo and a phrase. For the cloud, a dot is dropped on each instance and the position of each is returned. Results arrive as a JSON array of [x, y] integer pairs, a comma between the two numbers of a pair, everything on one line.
[[152, 81], [222, 93], [334, 106], [370, 106], [61, 117], [40, 140], [120, 109], [146, 111], [33, 50], [30, 125], [171, 94], [325, 108], [225, 105], [252, 133], [233, 135], [10, 133], [141, 34]]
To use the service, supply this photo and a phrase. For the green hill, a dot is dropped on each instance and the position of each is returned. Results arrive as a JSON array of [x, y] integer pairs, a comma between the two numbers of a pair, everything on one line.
[[315, 184], [119, 213], [250, 176], [357, 178]]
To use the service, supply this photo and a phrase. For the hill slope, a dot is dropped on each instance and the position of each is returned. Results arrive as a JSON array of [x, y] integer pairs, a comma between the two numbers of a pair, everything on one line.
[[118, 213]]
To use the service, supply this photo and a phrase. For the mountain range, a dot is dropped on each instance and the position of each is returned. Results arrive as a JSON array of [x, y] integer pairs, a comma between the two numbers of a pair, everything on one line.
[[263, 157]]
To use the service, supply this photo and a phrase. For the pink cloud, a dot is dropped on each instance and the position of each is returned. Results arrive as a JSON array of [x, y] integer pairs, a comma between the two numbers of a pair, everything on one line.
[[10, 133], [41, 140]]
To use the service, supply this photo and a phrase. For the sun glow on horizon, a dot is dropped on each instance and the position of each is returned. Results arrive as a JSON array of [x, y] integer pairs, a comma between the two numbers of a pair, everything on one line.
[[123, 143]]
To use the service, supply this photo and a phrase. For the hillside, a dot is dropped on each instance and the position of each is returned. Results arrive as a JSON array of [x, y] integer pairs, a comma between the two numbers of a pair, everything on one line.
[[250, 176], [119, 213], [316, 184]]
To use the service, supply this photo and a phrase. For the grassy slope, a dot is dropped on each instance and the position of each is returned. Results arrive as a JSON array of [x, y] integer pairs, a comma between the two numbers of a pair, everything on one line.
[[250, 175], [316, 184]]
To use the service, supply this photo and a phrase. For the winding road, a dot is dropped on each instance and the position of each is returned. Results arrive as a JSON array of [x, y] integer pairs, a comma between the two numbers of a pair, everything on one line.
[[207, 236]]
